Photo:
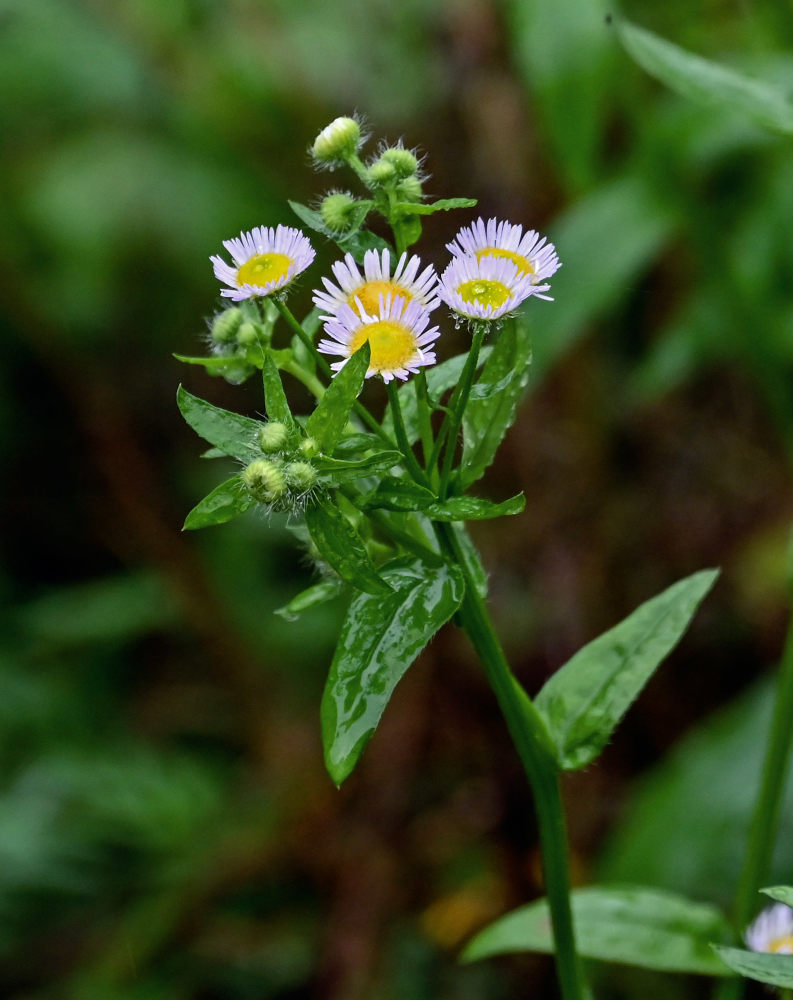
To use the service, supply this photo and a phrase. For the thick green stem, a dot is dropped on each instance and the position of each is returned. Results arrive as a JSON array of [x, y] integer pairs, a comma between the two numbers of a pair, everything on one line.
[[458, 404], [423, 410], [762, 832], [533, 744], [411, 461]]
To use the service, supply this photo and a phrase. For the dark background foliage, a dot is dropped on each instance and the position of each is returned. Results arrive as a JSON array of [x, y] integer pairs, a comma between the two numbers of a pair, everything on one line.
[[167, 831]]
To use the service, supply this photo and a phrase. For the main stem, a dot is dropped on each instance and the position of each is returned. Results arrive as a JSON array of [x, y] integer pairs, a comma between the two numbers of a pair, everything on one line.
[[532, 742], [458, 404]]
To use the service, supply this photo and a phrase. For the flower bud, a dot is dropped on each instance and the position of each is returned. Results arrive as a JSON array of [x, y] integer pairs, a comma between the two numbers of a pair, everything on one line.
[[273, 437], [264, 480], [225, 325], [402, 160], [301, 475], [335, 211], [337, 142], [410, 189], [308, 447], [381, 172], [248, 334]]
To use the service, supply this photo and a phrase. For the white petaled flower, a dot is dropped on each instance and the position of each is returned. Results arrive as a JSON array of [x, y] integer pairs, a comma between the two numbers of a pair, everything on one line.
[[398, 337], [376, 281], [772, 930], [531, 253], [484, 289], [265, 261]]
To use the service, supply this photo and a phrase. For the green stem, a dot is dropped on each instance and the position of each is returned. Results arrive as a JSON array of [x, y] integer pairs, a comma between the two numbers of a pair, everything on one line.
[[759, 849], [411, 461], [423, 410], [533, 744], [458, 404], [311, 382]]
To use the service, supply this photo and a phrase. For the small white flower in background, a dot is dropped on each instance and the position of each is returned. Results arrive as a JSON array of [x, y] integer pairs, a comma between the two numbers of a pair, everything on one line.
[[772, 930], [265, 261], [397, 334], [531, 253], [486, 288], [376, 282]]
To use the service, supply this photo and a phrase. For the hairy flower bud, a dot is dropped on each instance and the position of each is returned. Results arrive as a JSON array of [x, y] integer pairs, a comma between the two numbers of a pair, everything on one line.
[[301, 475], [308, 447], [226, 324], [402, 160], [410, 189], [381, 172], [337, 142], [265, 480], [273, 437], [248, 334], [335, 211]]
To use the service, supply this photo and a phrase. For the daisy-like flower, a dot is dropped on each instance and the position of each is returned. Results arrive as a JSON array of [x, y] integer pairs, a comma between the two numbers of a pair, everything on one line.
[[265, 261], [531, 253], [376, 282], [397, 334], [772, 930], [484, 289]]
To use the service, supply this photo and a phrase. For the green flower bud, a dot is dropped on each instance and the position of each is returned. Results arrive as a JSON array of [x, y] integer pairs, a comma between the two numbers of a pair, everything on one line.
[[381, 172], [301, 475], [265, 480], [335, 211], [410, 189], [337, 142], [402, 160], [248, 334], [273, 437], [225, 325], [308, 447]]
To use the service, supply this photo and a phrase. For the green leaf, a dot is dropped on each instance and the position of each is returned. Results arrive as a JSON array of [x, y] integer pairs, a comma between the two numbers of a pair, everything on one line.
[[410, 229], [379, 640], [234, 434], [491, 413], [626, 924], [225, 502], [312, 596], [443, 205], [585, 699], [341, 546], [776, 970], [399, 494], [355, 243], [474, 508], [326, 424], [705, 81], [343, 470], [781, 893], [275, 401]]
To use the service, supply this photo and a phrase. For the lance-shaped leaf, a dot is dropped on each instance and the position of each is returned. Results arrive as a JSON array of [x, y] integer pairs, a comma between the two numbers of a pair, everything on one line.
[[342, 470], [234, 434], [326, 424], [380, 638], [311, 597], [707, 82], [626, 924], [775, 970], [781, 893], [399, 494], [340, 545], [275, 402], [474, 508], [429, 208], [584, 700], [225, 502], [491, 410]]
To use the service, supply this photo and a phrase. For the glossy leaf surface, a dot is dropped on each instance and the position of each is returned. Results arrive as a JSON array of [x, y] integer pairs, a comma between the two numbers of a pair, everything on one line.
[[775, 970], [234, 434], [474, 508], [442, 205], [584, 700], [275, 402], [341, 546], [626, 924], [319, 593], [343, 469], [224, 503], [495, 397], [326, 424], [379, 640], [399, 494]]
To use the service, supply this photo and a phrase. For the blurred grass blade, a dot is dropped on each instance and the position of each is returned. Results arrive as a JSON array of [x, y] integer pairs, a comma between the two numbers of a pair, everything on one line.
[[626, 924], [775, 970], [705, 81]]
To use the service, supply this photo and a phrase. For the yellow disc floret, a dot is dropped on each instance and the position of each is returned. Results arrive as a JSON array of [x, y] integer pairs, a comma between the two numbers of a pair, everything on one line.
[[263, 268], [484, 292], [370, 293], [781, 945], [392, 344], [524, 266]]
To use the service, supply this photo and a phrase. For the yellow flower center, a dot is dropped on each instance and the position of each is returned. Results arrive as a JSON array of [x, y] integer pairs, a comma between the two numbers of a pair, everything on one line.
[[782, 945], [523, 265], [392, 344], [263, 268], [370, 292], [483, 292]]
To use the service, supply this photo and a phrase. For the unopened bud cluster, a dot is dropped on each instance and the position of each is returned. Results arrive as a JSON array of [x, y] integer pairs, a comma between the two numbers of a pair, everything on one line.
[[286, 477]]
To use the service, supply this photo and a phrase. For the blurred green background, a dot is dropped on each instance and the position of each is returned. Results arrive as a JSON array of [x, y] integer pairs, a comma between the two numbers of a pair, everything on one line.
[[167, 831]]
